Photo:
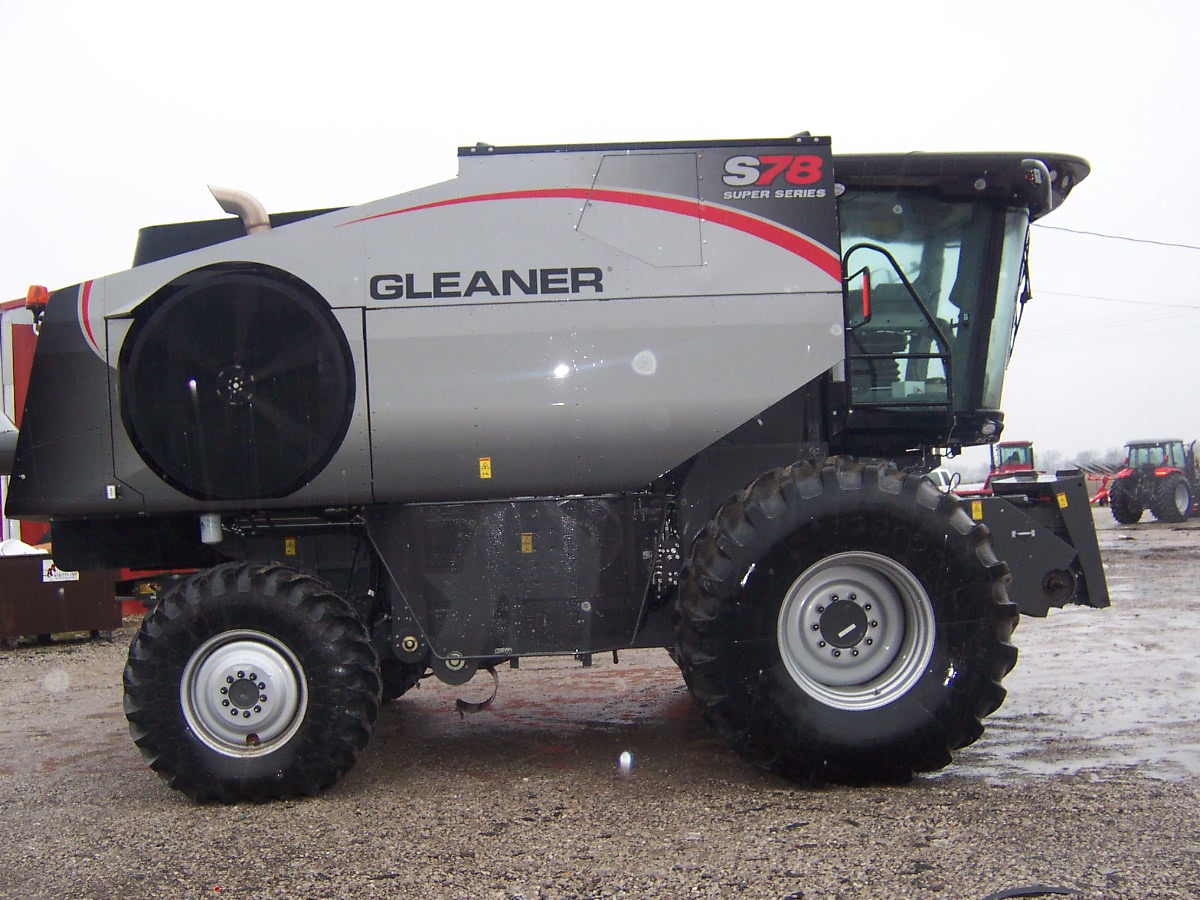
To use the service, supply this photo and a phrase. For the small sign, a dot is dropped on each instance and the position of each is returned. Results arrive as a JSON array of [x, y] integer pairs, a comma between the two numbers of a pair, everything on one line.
[[485, 467], [977, 510], [51, 572], [527, 542], [289, 546], [1062, 501]]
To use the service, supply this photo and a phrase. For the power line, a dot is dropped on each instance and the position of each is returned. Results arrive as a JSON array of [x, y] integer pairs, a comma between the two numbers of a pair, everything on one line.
[[1041, 291], [1118, 237], [1121, 328]]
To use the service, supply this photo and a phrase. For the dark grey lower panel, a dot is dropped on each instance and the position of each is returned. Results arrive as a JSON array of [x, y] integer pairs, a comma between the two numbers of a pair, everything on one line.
[[495, 580]]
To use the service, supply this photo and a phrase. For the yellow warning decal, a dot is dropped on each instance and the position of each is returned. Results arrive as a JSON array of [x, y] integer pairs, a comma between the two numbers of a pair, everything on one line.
[[485, 467], [527, 542], [1062, 500], [289, 546], [977, 510]]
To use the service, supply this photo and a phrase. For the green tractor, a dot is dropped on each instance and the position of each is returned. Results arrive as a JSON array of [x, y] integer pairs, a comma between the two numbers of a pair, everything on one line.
[[1158, 475]]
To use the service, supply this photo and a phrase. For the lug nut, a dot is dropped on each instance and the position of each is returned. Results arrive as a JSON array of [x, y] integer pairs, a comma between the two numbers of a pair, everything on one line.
[[874, 623], [869, 642], [837, 653], [820, 643], [229, 679], [833, 598], [241, 674], [262, 686], [246, 714], [867, 607], [816, 626], [262, 698], [253, 677], [854, 653], [820, 609], [224, 702], [259, 708], [854, 596], [224, 690]]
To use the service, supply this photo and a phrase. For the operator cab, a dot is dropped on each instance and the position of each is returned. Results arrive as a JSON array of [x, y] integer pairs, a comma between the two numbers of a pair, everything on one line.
[[934, 255], [1011, 456], [1156, 454]]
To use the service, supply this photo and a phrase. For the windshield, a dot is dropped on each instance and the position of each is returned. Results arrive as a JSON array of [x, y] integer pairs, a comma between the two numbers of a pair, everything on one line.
[[1012, 268], [929, 296], [1156, 455], [1019, 455]]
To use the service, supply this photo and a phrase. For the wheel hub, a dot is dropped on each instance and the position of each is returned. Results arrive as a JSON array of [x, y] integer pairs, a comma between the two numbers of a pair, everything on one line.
[[235, 385], [243, 693], [843, 624]]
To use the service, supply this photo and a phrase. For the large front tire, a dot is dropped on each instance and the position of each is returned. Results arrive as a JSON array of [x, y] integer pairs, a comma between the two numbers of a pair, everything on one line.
[[1123, 502], [251, 682], [841, 622]]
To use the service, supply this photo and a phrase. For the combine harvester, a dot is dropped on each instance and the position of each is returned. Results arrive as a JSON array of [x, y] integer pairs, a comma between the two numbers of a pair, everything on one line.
[[579, 399]]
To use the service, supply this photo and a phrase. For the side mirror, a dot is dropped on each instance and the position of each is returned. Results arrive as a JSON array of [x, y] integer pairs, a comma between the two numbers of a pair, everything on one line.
[[1038, 176], [865, 274]]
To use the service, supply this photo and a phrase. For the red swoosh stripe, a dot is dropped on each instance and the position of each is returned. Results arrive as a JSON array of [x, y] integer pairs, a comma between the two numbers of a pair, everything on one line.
[[789, 240], [84, 317]]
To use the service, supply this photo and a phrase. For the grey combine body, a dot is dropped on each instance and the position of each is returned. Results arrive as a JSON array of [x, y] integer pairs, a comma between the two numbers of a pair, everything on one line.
[[568, 402]]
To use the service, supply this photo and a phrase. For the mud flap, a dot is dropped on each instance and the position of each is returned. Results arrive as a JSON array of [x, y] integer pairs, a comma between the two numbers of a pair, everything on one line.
[[1044, 530]]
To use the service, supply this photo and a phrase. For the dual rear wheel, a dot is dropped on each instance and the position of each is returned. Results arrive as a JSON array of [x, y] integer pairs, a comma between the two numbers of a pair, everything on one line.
[[1169, 498], [1173, 500]]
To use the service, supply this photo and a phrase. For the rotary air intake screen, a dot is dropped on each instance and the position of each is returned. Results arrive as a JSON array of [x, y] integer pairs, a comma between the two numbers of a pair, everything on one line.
[[237, 386]]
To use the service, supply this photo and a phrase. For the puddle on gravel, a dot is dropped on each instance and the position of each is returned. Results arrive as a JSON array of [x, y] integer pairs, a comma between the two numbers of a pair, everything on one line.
[[1117, 688]]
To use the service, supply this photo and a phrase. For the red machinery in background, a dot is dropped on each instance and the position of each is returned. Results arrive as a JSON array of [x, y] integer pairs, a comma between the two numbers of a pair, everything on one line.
[[136, 589], [1011, 457]]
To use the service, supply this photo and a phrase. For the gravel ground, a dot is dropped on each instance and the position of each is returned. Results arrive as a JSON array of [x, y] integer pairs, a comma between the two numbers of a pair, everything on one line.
[[1088, 779]]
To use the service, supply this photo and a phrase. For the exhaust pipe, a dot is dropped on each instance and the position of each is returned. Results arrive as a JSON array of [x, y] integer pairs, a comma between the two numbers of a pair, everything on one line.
[[252, 213]]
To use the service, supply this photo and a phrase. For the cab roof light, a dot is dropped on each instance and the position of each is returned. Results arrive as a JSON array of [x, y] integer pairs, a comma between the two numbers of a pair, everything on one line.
[[37, 297]]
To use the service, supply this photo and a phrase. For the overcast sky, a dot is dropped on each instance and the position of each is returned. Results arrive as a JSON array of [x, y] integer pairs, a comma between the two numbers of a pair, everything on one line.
[[117, 115]]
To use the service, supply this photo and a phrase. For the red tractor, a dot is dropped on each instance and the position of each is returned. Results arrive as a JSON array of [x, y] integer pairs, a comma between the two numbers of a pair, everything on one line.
[[1158, 475], [1010, 457]]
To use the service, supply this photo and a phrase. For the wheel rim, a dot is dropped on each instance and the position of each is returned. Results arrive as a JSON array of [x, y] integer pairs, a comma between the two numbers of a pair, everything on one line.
[[1183, 498], [856, 630], [243, 693]]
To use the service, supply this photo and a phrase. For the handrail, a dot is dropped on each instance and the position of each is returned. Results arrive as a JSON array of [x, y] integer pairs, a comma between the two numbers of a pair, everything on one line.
[[943, 342]]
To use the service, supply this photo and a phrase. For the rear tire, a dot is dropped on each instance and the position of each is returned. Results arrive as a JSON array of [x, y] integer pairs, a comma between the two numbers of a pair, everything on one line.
[[278, 652], [848, 623], [1124, 505], [1173, 499]]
